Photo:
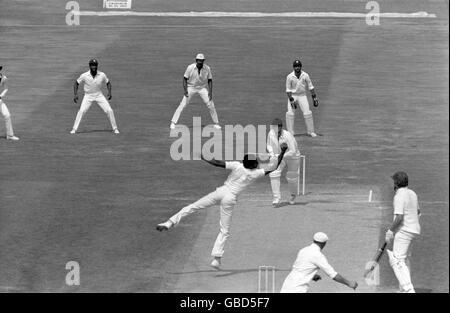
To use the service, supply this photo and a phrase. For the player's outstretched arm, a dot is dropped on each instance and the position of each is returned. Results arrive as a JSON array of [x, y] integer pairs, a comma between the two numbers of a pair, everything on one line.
[[344, 281], [283, 147], [214, 162]]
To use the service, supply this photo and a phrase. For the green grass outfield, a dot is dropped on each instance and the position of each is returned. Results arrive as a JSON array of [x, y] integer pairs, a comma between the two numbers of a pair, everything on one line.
[[96, 198]]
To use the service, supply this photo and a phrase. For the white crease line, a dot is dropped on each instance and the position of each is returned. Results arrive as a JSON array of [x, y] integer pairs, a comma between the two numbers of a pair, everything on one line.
[[257, 14]]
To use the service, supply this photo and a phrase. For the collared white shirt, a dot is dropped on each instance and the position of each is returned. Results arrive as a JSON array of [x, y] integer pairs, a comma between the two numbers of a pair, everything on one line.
[[194, 79], [273, 143], [93, 85], [298, 86], [309, 260], [240, 177], [406, 203]]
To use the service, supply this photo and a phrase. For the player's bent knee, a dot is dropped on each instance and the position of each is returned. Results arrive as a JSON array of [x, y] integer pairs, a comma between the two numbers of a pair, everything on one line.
[[307, 114]]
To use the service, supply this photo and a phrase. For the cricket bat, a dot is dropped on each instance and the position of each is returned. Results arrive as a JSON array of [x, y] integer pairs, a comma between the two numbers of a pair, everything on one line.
[[375, 259]]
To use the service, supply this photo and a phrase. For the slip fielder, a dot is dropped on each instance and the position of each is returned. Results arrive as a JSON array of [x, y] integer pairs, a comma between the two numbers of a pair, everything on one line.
[[277, 135], [93, 81], [309, 260], [4, 109], [404, 229], [241, 176], [297, 82], [197, 79]]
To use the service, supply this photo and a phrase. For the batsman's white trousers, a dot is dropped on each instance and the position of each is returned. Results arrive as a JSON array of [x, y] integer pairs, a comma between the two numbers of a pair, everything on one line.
[[203, 93], [7, 117], [292, 175], [398, 259], [88, 99], [227, 200]]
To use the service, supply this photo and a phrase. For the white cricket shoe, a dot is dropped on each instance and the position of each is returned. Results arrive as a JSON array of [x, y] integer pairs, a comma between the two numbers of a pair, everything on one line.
[[313, 134], [164, 226], [292, 199], [217, 126], [216, 263], [276, 204], [116, 131], [15, 138], [172, 125], [73, 131]]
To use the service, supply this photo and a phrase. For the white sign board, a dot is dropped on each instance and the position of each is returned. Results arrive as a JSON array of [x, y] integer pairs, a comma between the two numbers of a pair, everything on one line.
[[117, 4]]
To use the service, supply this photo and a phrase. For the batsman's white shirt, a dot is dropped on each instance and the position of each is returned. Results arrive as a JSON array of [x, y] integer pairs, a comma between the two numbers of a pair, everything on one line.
[[406, 203], [309, 260], [273, 144], [196, 79], [298, 86], [240, 177], [93, 85]]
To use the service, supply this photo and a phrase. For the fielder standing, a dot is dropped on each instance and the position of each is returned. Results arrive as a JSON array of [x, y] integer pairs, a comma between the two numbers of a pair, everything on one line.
[[197, 80], [309, 260], [297, 83], [403, 230], [277, 135], [93, 81], [241, 176], [4, 108]]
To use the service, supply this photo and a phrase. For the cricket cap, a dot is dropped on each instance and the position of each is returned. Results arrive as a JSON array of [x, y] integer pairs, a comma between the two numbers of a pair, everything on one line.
[[320, 237], [297, 63], [200, 56]]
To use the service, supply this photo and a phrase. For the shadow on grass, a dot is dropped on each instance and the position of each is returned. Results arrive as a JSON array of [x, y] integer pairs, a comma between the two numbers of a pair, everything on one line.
[[95, 131], [306, 135], [285, 203], [225, 272]]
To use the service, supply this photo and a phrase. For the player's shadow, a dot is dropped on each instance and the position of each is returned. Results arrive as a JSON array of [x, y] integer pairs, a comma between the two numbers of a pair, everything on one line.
[[223, 272], [201, 126], [287, 204], [306, 135], [89, 131]]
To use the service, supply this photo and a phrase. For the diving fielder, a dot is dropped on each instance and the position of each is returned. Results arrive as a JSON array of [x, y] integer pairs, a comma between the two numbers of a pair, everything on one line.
[[277, 135], [4, 109], [93, 81], [297, 83], [404, 229], [241, 176], [197, 80], [309, 260]]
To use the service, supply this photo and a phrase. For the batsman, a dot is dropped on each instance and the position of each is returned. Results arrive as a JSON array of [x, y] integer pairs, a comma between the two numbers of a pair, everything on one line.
[[276, 137], [404, 229]]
